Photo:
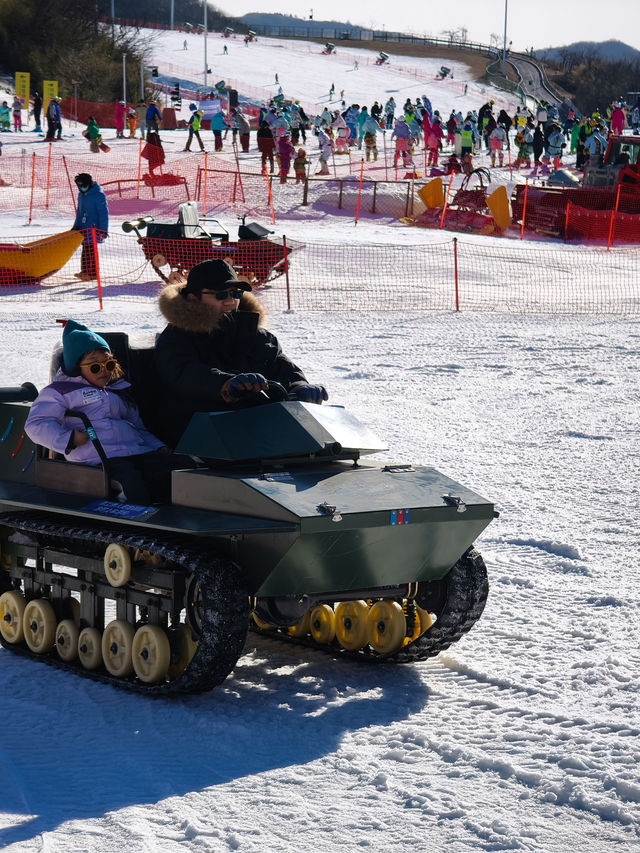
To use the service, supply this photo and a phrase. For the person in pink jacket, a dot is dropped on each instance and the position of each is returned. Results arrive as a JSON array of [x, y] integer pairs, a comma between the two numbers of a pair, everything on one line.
[[91, 381], [119, 115], [286, 152], [435, 138]]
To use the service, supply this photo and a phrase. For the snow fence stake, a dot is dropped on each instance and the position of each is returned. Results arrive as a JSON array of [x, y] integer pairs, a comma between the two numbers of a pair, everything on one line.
[[524, 208], [455, 271], [446, 198], [286, 270], [33, 171], [66, 168], [96, 264], [46, 201], [204, 199], [613, 213], [359, 190], [139, 167], [266, 174], [566, 221]]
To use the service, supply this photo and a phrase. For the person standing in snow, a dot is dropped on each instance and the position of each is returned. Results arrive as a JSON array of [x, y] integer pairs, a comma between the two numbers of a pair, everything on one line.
[[119, 113], [37, 111], [497, 142], [152, 118], [299, 166], [194, 130], [54, 124], [401, 134], [286, 152], [17, 114], [434, 141], [266, 145], [92, 217], [389, 112], [326, 150], [370, 129]]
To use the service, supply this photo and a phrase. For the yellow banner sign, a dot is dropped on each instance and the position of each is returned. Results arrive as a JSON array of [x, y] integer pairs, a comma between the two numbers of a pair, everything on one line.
[[49, 91], [22, 80]]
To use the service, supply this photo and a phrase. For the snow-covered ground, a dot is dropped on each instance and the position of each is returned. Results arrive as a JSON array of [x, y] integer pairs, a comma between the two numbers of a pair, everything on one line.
[[523, 736]]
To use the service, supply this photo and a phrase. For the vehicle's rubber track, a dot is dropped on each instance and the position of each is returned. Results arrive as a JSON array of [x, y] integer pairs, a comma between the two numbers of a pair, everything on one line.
[[465, 595], [223, 600]]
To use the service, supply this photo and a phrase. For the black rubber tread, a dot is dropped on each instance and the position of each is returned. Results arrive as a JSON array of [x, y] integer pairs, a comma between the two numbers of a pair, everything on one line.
[[465, 595], [224, 612]]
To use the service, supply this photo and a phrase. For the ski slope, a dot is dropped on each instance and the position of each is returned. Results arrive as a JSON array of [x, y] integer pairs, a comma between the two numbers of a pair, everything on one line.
[[524, 736]]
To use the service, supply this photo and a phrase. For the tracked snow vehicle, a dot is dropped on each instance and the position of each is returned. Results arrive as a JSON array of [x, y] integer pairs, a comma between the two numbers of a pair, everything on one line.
[[280, 524]]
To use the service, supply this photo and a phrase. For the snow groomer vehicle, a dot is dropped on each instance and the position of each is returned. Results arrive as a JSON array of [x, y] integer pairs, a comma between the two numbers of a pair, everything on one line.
[[282, 526]]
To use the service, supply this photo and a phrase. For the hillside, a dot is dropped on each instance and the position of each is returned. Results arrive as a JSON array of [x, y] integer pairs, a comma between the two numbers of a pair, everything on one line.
[[613, 51]]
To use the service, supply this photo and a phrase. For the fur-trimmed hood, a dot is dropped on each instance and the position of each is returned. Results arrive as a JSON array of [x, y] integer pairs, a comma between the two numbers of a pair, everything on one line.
[[193, 315]]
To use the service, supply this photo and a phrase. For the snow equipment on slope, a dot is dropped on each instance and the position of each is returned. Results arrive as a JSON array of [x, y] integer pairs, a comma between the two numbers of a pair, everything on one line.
[[280, 518], [173, 248]]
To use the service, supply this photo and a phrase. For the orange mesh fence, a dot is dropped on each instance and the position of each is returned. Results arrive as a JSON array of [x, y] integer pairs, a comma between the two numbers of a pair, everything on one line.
[[443, 276]]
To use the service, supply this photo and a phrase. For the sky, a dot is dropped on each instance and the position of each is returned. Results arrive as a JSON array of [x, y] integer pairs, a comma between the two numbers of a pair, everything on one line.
[[543, 24]]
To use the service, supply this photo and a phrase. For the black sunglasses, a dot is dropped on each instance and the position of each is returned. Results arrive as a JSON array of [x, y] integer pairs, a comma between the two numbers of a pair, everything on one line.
[[96, 366], [221, 295]]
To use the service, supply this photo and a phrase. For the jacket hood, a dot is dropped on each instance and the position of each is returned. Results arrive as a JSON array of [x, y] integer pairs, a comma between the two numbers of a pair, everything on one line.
[[193, 315]]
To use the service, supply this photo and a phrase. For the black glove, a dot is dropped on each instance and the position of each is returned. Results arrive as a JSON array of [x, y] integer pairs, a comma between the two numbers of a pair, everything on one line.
[[243, 385], [309, 393]]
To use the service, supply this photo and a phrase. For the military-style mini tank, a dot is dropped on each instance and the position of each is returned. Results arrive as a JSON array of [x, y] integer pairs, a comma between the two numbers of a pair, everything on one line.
[[281, 525]]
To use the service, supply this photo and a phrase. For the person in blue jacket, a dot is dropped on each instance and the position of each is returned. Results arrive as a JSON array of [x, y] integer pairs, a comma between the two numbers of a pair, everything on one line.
[[217, 126], [92, 213], [152, 117]]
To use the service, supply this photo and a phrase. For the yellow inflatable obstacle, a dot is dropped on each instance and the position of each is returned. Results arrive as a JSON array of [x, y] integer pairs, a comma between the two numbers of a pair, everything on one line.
[[24, 263], [432, 194]]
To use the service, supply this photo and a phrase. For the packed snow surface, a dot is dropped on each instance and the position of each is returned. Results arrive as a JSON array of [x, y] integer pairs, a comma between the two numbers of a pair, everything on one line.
[[523, 736]]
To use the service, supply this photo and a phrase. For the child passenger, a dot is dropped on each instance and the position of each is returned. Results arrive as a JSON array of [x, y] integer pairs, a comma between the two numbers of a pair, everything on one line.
[[90, 380]]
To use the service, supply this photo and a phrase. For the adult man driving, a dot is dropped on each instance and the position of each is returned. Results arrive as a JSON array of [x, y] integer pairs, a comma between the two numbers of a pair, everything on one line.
[[215, 353]]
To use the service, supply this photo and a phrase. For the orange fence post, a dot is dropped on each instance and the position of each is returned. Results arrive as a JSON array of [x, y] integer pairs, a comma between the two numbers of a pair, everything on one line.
[[613, 213], [204, 195], [359, 190], [286, 271], [33, 174], [446, 198], [46, 199], [455, 271], [566, 222], [139, 168], [66, 168], [524, 208], [94, 247], [273, 216]]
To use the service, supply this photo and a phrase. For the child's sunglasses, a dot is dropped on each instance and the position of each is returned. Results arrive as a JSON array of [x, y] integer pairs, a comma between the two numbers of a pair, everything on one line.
[[96, 366]]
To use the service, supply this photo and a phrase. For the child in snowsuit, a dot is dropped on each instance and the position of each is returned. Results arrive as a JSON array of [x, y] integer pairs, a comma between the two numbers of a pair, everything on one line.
[[326, 149], [5, 121], [299, 165], [90, 380], [435, 138], [402, 135], [17, 114], [132, 122], [285, 152]]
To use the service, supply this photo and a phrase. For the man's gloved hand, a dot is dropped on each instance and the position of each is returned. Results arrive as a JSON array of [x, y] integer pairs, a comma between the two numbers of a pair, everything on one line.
[[309, 393], [243, 385]]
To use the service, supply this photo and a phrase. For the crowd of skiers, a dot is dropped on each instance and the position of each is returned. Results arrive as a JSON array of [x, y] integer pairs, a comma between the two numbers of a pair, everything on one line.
[[522, 139]]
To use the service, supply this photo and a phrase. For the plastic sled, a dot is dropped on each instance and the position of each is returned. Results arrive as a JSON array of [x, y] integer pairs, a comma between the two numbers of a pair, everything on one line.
[[31, 262]]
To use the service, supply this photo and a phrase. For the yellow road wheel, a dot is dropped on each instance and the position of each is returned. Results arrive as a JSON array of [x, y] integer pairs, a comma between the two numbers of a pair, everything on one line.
[[264, 626], [151, 653], [386, 626], [322, 623], [90, 648], [426, 620], [351, 624], [117, 643], [67, 639], [183, 648], [117, 564], [39, 623], [12, 605], [301, 628]]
